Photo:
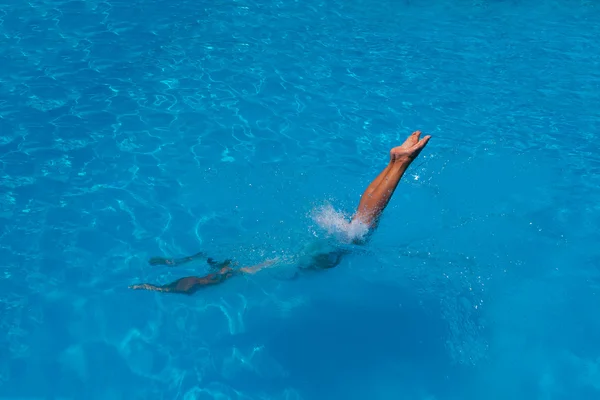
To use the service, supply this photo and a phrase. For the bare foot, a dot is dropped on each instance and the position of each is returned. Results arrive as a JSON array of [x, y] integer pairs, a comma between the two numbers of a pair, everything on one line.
[[410, 149]]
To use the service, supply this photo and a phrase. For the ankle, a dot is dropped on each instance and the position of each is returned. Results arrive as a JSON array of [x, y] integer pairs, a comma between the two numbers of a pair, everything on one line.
[[396, 159]]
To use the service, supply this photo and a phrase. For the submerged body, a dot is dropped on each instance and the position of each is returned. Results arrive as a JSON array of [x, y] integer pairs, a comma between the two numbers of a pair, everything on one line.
[[372, 203]]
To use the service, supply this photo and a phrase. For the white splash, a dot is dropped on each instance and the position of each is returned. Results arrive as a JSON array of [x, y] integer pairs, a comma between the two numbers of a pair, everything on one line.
[[338, 224]]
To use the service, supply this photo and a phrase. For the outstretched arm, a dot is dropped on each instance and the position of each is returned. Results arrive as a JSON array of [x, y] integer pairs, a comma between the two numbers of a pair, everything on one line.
[[190, 284], [173, 262]]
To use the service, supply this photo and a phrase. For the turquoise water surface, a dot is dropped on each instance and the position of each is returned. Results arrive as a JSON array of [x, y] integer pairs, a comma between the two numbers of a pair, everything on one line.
[[132, 129]]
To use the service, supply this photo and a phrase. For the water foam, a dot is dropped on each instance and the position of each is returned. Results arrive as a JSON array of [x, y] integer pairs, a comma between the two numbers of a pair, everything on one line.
[[338, 224]]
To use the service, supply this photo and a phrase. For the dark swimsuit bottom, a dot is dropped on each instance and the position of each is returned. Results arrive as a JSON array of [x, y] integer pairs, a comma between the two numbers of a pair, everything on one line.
[[324, 260]]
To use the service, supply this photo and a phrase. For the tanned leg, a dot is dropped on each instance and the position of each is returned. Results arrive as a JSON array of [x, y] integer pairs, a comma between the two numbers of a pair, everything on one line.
[[173, 262], [380, 191], [373, 185], [377, 195]]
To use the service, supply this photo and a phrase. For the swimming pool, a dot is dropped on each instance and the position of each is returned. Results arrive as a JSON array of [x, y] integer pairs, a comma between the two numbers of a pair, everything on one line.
[[138, 129]]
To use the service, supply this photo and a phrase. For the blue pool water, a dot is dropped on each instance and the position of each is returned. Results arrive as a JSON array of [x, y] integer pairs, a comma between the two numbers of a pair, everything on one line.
[[132, 129]]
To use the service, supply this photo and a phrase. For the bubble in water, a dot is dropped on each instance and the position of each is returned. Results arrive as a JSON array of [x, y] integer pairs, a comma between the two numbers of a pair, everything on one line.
[[338, 224]]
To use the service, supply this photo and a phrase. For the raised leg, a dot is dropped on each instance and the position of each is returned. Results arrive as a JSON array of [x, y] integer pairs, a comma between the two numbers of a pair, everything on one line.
[[375, 183], [380, 191], [376, 197]]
